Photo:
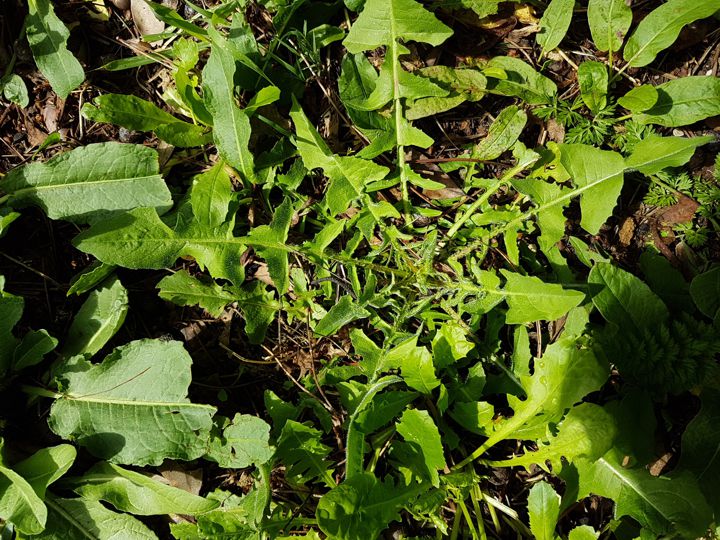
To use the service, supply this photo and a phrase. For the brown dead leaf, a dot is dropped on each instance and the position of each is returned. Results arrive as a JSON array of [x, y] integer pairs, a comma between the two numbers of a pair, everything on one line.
[[659, 465], [681, 212], [178, 476], [555, 130], [450, 191], [627, 231], [525, 13], [122, 5]]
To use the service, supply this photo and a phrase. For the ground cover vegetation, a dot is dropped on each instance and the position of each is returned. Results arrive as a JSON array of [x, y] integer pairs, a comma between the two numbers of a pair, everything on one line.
[[361, 269]]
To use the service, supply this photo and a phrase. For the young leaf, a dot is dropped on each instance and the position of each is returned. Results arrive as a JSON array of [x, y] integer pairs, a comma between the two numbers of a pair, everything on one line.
[[529, 299], [587, 431], [46, 466], [210, 195], [19, 504], [361, 507], [415, 363], [89, 182], [137, 114], [502, 135], [348, 175], [82, 519], [655, 153], [98, 320], [269, 242], [244, 442], [184, 290], [609, 21], [132, 408], [520, 80], [563, 376], [231, 125], [544, 511], [90, 277], [662, 504], [625, 300], [48, 36], [593, 79], [704, 291], [305, 457], [640, 98], [683, 101], [419, 430], [661, 27], [343, 312], [598, 175], [701, 447], [555, 23], [136, 493], [33, 347], [140, 239], [14, 89]]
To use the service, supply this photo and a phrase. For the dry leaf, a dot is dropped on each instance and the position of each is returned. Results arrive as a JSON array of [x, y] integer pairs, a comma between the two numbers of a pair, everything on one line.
[[145, 20]]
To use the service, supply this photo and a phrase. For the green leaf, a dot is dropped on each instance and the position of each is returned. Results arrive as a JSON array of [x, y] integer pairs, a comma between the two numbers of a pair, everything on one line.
[[20, 504], [33, 347], [555, 23], [415, 363], [701, 447], [587, 431], [662, 504], [482, 8], [684, 101], [91, 181], [562, 377], [361, 507], [463, 84], [98, 320], [82, 519], [13, 88], [244, 442], [655, 153], [140, 239], [593, 80], [640, 98], [138, 494], [659, 29], [231, 125], [345, 311], [583, 532], [450, 344], [48, 36], [521, 80], [269, 242], [210, 195], [624, 299], [609, 22], [529, 299], [348, 175], [419, 430], [704, 290], [90, 277], [598, 175], [502, 135], [138, 114], [132, 408], [544, 511], [305, 457], [46, 466], [184, 290]]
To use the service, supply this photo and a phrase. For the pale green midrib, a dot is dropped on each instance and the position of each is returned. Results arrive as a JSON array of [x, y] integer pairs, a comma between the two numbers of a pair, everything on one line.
[[50, 501], [654, 38], [234, 111], [56, 48], [638, 166], [24, 487], [115, 401], [629, 483], [33, 189]]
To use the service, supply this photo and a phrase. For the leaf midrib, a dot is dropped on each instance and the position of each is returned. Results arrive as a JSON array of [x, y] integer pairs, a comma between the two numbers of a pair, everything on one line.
[[44, 187]]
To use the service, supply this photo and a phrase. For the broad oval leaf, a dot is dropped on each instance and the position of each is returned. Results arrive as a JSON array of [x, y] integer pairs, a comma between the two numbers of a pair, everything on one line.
[[609, 21], [133, 407], [47, 36], [661, 27], [683, 101], [91, 181], [655, 153], [520, 80], [244, 442], [555, 23], [529, 299], [99, 318]]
